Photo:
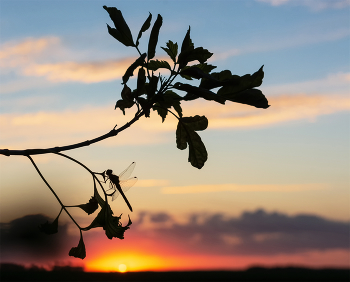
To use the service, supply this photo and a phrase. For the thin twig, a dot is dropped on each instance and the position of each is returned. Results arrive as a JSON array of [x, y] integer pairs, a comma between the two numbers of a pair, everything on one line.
[[53, 192], [84, 166]]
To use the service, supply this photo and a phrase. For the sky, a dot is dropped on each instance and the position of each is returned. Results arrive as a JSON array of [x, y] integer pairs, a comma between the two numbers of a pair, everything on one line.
[[275, 188]]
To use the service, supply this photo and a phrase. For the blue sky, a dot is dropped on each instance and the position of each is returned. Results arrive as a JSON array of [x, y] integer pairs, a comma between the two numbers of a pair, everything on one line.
[[61, 76]]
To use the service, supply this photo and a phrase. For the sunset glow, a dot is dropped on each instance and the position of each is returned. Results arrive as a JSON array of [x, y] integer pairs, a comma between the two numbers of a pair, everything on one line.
[[131, 262], [274, 190]]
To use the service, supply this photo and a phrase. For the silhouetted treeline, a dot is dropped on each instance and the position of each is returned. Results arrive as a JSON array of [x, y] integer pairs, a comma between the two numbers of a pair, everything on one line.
[[15, 272]]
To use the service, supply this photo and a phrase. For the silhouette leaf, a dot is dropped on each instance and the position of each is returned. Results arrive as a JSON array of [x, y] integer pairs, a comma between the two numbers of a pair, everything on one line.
[[79, 251], [234, 83], [197, 123], [127, 99], [194, 92], [151, 87], [172, 99], [252, 97], [194, 72], [111, 224], [97, 196], [185, 134], [199, 54], [91, 206], [153, 40], [187, 44], [121, 32], [144, 27], [155, 65], [130, 71], [171, 50], [141, 80], [161, 110], [50, 228]]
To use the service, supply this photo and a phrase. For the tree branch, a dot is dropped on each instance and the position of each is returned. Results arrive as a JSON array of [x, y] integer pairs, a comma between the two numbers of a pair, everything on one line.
[[112, 133]]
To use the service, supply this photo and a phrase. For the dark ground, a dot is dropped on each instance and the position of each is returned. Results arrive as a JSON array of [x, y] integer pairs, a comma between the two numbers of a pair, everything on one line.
[[13, 272]]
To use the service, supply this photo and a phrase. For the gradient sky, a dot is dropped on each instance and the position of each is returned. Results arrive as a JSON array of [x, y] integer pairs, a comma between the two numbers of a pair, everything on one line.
[[275, 188]]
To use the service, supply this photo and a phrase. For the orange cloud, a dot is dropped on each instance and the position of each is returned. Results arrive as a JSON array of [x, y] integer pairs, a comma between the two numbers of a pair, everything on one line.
[[284, 108], [74, 126], [24, 57], [242, 188], [14, 54], [87, 72]]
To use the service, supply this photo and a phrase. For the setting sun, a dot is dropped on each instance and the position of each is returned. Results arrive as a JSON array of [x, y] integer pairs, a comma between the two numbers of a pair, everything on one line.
[[124, 262], [122, 267]]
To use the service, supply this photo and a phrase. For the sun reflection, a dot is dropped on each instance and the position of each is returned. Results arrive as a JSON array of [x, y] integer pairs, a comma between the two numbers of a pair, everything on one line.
[[122, 267]]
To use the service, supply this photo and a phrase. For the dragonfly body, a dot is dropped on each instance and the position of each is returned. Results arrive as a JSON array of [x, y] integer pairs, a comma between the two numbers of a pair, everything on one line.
[[121, 184]]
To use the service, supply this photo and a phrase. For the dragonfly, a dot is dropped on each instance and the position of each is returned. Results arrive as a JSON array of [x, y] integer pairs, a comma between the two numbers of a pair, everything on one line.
[[121, 183]]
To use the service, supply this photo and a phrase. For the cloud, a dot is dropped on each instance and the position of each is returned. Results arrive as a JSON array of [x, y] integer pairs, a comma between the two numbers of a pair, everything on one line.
[[21, 238], [66, 127], [86, 72], [14, 54], [194, 189], [33, 57], [267, 238], [252, 233], [315, 5]]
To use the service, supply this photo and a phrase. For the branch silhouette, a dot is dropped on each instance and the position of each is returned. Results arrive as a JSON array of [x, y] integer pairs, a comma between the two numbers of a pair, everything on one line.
[[157, 93]]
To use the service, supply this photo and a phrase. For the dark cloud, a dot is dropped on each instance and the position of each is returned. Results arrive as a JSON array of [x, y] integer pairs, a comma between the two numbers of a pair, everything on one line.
[[160, 217], [22, 238], [254, 233]]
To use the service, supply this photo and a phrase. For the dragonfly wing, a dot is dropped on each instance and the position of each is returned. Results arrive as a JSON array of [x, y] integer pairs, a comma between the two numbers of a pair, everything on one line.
[[127, 172], [115, 195], [127, 184]]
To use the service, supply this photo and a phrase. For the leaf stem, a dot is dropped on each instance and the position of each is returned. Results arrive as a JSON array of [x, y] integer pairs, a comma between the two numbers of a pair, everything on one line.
[[53, 192], [84, 166]]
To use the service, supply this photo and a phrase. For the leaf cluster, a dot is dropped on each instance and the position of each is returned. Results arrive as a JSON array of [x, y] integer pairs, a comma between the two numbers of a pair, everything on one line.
[[189, 62], [105, 219]]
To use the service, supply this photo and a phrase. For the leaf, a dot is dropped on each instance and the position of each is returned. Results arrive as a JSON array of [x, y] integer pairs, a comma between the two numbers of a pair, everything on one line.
[[171, 50], [97, 196], [199, 54], [234, 83], [122, 105], [194, 92], [127, 99], [151, 87], [145, 105], [195, 72], [79, 251], [121, 32], [50, 228], [240, 89], [252, 97], [130, 71], [257, 77], [111, 224], [185, 134], [173, 100], [155, 65], [187, 44], [162, 111], [153, 40], [91, 206], [141, 80], [144, 27], [197, 123], [220, 78], [126, 94], [205, 67]]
